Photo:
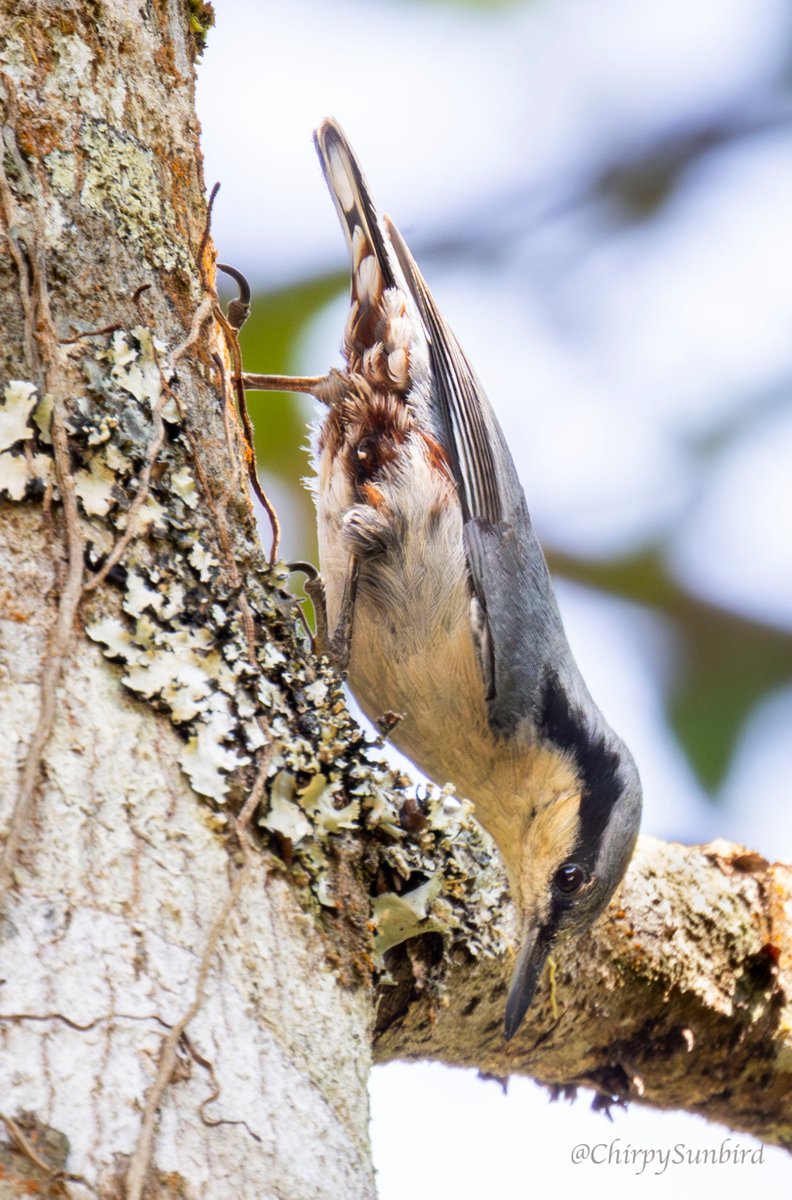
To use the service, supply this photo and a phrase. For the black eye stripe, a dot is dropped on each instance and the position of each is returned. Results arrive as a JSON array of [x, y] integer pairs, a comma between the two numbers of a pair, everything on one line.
[[597, 762]]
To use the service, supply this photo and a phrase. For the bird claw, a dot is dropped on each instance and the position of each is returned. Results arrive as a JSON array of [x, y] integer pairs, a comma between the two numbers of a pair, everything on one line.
[[238, 309]]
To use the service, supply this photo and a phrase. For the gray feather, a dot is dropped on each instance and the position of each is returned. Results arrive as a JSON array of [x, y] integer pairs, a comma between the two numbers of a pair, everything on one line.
[[507, 569]]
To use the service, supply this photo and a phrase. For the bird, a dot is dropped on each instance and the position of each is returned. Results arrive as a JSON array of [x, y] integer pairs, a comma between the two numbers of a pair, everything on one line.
[[435, 599]]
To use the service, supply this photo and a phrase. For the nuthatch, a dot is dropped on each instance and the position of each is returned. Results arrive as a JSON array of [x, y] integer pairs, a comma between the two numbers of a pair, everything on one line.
[[438, 601]]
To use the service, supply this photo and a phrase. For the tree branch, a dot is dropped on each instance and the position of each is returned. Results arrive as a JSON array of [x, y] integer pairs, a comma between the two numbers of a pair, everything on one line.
[[678, 998]]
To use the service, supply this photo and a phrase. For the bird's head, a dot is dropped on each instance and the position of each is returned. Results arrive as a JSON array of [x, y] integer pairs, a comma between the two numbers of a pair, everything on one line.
[[575, 850]]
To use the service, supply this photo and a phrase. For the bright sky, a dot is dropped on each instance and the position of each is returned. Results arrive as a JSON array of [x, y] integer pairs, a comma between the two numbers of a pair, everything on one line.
[[614, 356]]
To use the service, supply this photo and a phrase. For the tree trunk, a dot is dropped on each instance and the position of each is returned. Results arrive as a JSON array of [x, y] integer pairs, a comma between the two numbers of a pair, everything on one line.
[[192, 826], [170, 1017]]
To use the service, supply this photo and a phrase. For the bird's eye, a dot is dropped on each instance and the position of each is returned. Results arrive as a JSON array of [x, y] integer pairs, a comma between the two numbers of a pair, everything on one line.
[[569, 878]]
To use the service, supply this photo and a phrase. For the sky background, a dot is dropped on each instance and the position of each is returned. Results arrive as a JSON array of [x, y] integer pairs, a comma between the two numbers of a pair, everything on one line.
[[600, 196]]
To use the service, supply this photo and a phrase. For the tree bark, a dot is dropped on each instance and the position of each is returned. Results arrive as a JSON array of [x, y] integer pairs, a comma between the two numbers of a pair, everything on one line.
[[193, 827], [171, 1020], [680, 998]]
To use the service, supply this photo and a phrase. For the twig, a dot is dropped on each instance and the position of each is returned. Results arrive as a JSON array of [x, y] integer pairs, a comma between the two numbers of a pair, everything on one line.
[[137, 294], [56, 652], [247, 425], [54, 1176], [89, 333], [38, 319], [232, 342], [141, 1158], [201, 315], [205, 239], [214, 1122]]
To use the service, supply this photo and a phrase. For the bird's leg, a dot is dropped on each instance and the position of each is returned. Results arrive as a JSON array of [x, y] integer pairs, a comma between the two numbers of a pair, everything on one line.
[[335, 646], [238, 310], [314, 590], [311, 385], [339, 644], [237, 313], [328, 389]]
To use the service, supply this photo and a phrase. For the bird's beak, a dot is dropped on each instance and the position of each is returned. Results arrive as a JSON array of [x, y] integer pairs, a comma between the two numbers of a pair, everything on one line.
[[530, 963]]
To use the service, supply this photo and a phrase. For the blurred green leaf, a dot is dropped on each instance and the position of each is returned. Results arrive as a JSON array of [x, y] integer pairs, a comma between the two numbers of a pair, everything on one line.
[[728, 662], [269, 341]]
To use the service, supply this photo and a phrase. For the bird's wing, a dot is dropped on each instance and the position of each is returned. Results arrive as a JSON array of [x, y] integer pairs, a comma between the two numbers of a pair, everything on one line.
[[513, 615], [366, 343], [351, 196], [514, 619], [486, 489]]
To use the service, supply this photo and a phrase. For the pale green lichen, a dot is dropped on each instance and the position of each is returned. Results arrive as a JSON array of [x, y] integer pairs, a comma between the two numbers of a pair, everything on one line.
[[181, 646], [152, 516], [116, 97], [284, 815], [20, 470], [323, 801], [62, 167], [121, 181], [183, 484], [207, 759], [18, 474], [116, 461], [317, 691], [43, 418], [138, 596], [169, 659], [19, 400], [399, 917], [115, 636], [136, 368], [15, 59], [454, 847], [74, 64], [181, 667], [290, 807], [94, 487], [203, 561]]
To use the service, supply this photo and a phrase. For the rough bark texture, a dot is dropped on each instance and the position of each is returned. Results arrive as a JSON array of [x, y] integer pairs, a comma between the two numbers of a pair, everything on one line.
[[193, 828], [169, 1014], [680, 998]]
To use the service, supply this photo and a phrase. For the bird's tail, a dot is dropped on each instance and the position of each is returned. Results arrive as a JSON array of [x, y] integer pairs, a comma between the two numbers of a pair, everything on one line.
[[352, 199], [371, 253]]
